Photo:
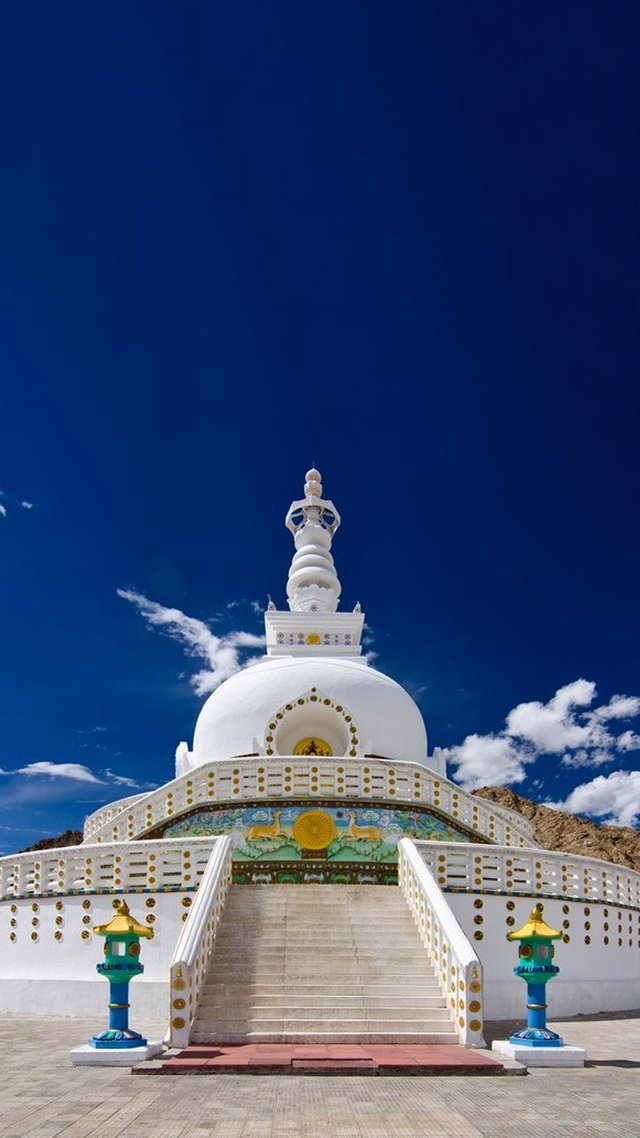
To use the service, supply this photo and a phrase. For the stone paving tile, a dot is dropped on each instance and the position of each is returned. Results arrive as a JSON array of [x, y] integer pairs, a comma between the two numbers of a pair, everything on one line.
[[43, 1096]]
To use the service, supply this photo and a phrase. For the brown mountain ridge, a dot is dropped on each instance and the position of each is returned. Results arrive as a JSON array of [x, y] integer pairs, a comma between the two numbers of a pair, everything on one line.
[[556, 830]]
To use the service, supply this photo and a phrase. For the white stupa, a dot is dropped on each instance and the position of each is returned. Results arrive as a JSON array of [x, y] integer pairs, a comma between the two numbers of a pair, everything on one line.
[[312, 648], [310, 768]]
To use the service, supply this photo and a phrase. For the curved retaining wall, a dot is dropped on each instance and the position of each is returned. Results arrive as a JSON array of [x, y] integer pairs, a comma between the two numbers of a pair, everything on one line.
[[279, 779], [491, 891]]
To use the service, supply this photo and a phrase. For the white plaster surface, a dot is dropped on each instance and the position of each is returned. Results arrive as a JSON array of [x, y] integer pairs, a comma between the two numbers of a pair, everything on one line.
[[593, 977], [58, 976], [541, 1056], [236, 715]]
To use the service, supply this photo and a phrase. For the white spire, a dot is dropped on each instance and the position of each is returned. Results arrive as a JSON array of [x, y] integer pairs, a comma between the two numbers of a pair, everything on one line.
[[313, 584]]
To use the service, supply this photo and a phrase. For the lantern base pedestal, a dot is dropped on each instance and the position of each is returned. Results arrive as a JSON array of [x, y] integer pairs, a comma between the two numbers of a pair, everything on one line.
[[88, 1055], [117, 1038], [539, 1055]]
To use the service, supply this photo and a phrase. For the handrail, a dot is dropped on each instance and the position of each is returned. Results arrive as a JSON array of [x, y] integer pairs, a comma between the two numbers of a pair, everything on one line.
[[191, 955], [464, 867], [257, 779], [457, 967]]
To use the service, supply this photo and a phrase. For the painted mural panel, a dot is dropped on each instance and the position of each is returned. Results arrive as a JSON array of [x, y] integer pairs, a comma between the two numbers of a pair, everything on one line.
[[322, 831]]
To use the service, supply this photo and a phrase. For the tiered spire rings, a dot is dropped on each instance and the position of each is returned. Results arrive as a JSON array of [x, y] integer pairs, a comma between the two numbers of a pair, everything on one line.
[[313, 584]]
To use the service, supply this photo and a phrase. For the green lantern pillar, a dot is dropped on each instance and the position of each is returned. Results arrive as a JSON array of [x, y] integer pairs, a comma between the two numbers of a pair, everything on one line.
[[121, 963], [535, 966]]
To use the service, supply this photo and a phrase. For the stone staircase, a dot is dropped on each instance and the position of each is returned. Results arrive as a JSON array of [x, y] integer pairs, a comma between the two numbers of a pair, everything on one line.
[[320, 964]]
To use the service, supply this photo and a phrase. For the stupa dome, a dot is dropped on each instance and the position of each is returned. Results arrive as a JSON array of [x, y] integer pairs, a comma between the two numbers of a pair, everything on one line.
[[276, 705]]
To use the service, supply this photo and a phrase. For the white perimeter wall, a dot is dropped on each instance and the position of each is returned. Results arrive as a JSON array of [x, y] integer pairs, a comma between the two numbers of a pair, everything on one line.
[[72, 986], [594, 976]]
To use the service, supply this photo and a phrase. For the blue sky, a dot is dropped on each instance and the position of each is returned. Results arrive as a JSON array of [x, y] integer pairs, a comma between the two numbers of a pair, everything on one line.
[[400, 243]]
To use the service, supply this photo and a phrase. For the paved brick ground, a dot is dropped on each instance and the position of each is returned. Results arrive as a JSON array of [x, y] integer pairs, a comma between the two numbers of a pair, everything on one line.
[[43, 1096]]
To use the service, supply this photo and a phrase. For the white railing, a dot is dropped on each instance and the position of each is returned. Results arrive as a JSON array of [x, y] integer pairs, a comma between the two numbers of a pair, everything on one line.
[[258, 779], [465, 868], [122, 867], [457, 968], [191, 956]]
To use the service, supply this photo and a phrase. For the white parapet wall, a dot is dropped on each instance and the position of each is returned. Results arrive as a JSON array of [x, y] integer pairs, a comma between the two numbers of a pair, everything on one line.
[[491, 892], [256, 780], [50, 902]]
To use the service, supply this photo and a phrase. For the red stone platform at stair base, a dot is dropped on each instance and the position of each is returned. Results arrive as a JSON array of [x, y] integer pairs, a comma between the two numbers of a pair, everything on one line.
[[330, 1058]]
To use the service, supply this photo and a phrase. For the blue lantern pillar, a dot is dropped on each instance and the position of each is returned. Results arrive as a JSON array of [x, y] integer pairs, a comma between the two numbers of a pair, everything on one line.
[[121, 964], [535, 966]]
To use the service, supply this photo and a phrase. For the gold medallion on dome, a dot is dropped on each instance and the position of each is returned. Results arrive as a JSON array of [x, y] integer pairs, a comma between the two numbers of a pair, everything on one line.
[[312, 746], [314, 830]]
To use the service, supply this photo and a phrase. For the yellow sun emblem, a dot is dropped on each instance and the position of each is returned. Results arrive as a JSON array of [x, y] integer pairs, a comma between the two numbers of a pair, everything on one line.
[[314, 830]]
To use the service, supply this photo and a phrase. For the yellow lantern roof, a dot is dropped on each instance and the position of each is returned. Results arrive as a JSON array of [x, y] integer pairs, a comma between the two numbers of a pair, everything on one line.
[[123, 922], [535, 927]]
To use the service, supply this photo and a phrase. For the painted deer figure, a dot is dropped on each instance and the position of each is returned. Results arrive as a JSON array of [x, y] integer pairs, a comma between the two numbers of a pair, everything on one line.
[[362, 833], [266, 829]]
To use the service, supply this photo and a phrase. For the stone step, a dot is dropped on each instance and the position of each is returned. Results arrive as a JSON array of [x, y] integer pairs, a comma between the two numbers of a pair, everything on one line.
[[449, 1038], [224, 1027], [257, 1013], [216, 1002], [320, 991], [238, 972]]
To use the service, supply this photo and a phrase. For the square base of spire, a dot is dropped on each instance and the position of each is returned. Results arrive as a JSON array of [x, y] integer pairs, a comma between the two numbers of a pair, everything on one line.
[[313, 634]]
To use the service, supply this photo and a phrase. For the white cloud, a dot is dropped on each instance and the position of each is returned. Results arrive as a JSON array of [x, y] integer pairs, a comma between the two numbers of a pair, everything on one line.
[[221, 653], [27, 505], [3, 511], [124, 780], [492, 760], [73, 771], [567, 726], [614, 798]]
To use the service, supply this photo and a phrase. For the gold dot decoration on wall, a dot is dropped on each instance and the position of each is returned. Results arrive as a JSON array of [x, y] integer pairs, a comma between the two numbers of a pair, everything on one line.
[[12, 937], [475, 1025], [186, 901], [57, 935], [34, 936], [511, 906], [86, 904], [177, 1022], [474, 1007], [150, 903], [478, 935], [478, 903], [85, 934], [59, 906]]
